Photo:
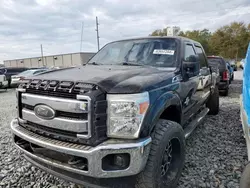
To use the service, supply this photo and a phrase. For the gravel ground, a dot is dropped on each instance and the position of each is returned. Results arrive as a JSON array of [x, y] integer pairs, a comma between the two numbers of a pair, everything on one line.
[[216, 151]]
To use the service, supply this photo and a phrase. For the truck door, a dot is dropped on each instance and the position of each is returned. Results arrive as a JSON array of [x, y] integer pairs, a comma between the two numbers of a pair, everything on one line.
[[205, 77], [189, 96]]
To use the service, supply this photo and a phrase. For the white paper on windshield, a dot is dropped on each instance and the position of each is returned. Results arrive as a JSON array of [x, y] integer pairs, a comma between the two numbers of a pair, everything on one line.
[[163, 52]]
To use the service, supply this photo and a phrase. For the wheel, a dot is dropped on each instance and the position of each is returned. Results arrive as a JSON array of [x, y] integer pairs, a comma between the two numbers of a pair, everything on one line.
[[213, 102], [9, 82], [166, 158], [245, 177], [225, 92]]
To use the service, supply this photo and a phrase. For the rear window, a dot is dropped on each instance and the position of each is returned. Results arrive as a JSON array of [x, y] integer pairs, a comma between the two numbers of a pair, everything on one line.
[[219, 61]]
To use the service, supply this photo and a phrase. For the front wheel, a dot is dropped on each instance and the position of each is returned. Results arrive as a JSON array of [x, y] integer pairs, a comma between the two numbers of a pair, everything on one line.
[[166, 158]]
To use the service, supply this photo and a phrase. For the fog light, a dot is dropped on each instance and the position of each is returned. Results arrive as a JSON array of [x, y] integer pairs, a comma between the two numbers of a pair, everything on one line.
[[121, 160], [116, 161]]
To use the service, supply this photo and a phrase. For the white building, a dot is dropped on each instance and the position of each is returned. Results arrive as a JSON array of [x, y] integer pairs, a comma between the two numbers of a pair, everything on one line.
[[61, 60]]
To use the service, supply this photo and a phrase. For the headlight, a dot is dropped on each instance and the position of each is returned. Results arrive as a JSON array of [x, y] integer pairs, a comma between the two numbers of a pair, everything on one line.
[[125, 114]]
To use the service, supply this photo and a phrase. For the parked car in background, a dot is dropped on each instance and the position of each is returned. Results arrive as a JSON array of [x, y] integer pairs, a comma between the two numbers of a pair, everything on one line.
[[231, 72], [224, 73], [15, 79], [9, 71], [233, 64], [242, 63], [3, 82]]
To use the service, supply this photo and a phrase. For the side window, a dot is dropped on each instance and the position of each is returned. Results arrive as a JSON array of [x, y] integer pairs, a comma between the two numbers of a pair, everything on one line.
[[203, 62], [189, 50]]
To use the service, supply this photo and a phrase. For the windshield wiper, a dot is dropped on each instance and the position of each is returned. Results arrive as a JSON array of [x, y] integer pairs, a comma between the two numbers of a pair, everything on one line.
[[94, 63], [132, 64]]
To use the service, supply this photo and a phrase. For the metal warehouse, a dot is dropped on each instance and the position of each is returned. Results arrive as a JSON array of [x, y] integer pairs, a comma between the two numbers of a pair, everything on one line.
[[61, 60]]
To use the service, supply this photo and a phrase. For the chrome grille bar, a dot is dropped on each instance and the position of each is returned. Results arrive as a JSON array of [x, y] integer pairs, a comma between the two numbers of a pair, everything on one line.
[[67, 105], [57, 123]]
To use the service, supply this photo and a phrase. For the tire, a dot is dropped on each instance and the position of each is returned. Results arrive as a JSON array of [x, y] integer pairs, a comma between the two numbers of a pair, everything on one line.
[[232, 78], [225, 92], [9, 82], [245, 177], [166, 133], [213, 103]]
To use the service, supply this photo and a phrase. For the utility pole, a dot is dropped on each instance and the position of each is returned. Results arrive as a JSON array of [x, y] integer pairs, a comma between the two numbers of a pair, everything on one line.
[[81, 37], [42, 53], [97, 34]]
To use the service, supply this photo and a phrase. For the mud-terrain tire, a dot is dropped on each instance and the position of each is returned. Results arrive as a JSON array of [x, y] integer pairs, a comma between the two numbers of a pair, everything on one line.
[[164, 168], [245, 177], [213, 103]]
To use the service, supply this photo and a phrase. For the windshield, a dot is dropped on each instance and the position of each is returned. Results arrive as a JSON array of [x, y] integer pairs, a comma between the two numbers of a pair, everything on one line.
[[26, 73], [152, 52]]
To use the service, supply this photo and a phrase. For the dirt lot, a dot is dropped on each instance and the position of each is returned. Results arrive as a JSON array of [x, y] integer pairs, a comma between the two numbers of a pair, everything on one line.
[[216, 151]]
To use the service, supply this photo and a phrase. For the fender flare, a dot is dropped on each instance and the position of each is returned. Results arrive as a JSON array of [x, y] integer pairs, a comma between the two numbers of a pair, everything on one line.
[[160, 105]]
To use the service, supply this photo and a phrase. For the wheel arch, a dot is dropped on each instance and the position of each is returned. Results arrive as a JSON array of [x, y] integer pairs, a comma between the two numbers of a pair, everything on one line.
[[168, 107]]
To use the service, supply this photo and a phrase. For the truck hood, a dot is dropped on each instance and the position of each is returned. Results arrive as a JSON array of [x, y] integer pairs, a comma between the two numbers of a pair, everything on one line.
[[114, 79]]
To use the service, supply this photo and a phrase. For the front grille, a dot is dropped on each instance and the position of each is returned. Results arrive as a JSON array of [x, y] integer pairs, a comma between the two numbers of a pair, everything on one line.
[[67, 117], [55, 88]]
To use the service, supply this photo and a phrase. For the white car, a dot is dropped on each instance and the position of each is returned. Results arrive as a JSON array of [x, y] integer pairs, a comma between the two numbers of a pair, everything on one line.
[[3, 82], [15, 79]]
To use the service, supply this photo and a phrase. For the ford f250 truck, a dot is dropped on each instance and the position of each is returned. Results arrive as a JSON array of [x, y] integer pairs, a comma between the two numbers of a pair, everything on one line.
[[122, 119]]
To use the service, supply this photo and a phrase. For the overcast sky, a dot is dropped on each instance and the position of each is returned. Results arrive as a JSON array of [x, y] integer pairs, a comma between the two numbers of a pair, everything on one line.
[[25, 24]]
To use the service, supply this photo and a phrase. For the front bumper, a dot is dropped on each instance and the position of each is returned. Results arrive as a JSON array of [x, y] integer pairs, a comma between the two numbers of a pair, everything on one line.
[[223, 85], [137, 149], [3, 84]]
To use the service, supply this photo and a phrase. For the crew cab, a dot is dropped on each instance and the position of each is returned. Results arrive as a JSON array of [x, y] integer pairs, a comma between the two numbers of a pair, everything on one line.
[[122, 119]]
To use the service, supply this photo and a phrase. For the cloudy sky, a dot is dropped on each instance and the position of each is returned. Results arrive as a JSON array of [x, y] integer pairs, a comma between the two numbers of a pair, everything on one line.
[[25, 24]]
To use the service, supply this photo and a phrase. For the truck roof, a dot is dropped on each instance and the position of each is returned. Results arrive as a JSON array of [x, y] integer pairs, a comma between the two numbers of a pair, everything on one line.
[[162, 37]]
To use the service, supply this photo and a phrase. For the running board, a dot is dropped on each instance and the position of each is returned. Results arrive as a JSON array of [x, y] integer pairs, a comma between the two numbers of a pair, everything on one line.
[[193, 124]]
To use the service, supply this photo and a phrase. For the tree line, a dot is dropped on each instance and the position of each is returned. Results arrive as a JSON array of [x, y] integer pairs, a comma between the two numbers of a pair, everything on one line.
[[230, 41]]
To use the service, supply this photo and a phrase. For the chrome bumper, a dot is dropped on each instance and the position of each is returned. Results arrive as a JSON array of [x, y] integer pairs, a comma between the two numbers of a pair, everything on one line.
[[137, 149]]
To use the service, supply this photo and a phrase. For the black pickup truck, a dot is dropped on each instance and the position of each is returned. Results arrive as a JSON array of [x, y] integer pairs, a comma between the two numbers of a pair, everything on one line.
[[122, 119]]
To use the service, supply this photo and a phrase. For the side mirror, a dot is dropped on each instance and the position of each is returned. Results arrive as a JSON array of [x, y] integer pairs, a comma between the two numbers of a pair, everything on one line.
[[191, 66]]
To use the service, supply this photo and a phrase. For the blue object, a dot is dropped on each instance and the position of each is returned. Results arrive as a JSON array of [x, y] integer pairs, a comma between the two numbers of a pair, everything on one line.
[[246, 84], [231, 70]]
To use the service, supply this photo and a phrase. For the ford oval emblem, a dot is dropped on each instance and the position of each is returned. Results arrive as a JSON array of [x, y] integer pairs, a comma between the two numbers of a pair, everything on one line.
[[44, 112]]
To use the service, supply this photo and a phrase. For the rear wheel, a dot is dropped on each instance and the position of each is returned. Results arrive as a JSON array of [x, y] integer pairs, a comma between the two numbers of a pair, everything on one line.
[[225, 92], [213, 102], [166, 157]]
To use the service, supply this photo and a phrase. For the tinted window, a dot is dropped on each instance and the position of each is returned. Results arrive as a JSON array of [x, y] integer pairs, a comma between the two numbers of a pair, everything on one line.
[[219, 61], [153, 52], [203, 62], [189, 50]]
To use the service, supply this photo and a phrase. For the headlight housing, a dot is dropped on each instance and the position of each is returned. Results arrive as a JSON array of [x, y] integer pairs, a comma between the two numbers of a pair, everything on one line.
[[125, 114]]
